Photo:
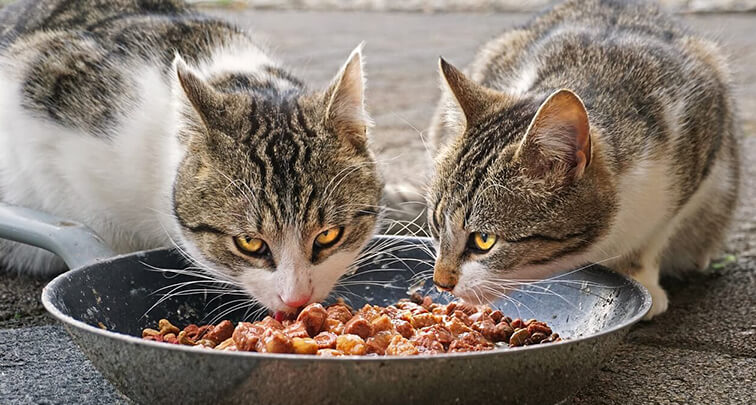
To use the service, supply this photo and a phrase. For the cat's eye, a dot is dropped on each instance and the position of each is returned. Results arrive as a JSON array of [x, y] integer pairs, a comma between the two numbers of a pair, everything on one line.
[[329, 237], [482, 241], [251, 246]]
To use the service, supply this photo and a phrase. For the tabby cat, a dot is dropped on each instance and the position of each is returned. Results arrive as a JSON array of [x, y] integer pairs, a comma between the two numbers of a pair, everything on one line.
[[601, 131], [151, 123]]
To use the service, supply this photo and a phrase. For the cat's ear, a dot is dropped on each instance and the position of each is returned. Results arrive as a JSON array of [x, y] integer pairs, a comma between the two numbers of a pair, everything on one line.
[[201, 97], [472, 99], [345, 101], [558, 140]]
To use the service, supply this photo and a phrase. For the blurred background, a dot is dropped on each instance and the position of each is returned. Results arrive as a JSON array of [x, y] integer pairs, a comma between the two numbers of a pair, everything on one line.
[[685, 6]]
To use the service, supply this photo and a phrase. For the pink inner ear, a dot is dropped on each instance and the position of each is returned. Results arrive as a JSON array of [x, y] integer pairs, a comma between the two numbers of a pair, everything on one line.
[[561, 131]]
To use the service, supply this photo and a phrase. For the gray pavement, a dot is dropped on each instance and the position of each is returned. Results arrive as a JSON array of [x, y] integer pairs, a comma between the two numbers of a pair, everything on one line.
[[703, 350]]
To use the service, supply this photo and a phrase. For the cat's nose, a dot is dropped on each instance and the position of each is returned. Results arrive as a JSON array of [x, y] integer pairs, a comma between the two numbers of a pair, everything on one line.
[[297, 301], [445, 278]]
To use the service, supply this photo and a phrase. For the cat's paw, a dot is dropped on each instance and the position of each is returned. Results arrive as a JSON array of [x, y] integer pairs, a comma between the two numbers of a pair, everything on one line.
[[659, 301]]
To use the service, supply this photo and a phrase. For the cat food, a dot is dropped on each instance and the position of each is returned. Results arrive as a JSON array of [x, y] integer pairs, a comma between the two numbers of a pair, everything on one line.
[[410, 327]]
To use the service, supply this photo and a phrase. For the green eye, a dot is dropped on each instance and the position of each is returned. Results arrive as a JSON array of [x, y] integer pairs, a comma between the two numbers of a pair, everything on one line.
[[250, 246], [482, 241], [329, 237]]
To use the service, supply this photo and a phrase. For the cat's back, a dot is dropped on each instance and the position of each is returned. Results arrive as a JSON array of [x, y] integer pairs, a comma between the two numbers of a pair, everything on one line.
[[571, 31], [651, 84], [81, 64], [27, 16]]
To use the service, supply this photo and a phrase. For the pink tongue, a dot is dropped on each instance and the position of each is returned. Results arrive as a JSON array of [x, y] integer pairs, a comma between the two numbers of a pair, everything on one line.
[[279, 315]]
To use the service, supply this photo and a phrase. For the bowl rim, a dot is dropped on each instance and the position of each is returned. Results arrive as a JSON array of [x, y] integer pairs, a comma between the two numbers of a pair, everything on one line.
[[49, 290]]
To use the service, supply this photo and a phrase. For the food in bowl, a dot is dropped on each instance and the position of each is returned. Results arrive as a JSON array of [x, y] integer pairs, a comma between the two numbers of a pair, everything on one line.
[[410, 327]]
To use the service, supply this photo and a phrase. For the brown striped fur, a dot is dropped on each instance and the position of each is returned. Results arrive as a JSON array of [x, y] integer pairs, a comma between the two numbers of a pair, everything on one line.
[[650, 182]]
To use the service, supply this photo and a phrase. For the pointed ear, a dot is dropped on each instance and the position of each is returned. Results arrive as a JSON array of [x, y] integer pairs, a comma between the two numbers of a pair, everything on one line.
[[345, 101], [472, 98], [558, 140], [203, 99]]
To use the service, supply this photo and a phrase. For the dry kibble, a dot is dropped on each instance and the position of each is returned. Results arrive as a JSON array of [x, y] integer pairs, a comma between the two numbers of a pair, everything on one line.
[[150, 332], [166, 327], [518, 337], [502, 332], [517, 323], [535, 326], [537, 337], [415, 326], [185, 340]]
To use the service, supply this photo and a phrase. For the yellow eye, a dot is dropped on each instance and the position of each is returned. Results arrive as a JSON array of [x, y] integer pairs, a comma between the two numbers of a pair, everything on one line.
[[328, 237], [483, 241], [251, 246]]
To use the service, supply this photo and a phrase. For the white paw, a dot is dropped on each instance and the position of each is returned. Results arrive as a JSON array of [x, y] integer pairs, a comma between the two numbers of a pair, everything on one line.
[[659, 301]]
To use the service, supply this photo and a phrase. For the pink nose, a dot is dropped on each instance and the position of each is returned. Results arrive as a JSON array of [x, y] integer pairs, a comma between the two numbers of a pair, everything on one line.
[[297, 302]]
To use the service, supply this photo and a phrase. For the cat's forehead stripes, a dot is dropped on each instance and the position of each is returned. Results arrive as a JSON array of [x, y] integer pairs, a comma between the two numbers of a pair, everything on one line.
[[485, 148], [281, 143]]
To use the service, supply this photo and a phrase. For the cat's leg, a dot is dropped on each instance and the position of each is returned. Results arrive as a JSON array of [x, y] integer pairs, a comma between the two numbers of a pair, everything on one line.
[[647, 273], [646, 268], [701, 228]]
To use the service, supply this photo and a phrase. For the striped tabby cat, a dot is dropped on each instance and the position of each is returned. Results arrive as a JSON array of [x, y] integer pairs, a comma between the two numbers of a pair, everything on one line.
[[602, 131], [150, 123]]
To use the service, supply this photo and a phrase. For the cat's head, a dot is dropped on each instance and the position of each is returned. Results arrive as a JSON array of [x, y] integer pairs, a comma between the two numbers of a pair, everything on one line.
[[277, 190], [520, 193]]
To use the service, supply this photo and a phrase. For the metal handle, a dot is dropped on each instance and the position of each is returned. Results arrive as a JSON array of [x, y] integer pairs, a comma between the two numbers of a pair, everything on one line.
[[76, 244]]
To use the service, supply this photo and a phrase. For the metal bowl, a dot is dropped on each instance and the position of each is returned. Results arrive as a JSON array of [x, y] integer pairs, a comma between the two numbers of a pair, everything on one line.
[[106, 302]]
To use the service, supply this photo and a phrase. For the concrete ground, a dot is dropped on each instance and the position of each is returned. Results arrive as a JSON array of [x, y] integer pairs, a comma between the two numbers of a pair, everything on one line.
[[703, 350]]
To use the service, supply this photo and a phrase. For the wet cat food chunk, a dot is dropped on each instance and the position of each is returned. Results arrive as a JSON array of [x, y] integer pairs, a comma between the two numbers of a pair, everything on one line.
[[326, 340], [415, 326], [313, 317], [304, 345], [358, 326], [220, 332]]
